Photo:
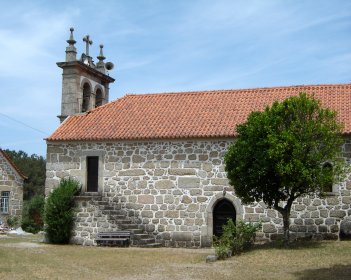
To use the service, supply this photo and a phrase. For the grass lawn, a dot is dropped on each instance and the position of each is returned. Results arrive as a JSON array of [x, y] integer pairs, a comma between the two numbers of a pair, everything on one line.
[[27, 258]]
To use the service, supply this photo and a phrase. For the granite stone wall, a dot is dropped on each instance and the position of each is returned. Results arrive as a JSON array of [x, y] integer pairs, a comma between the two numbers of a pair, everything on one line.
[[11, 182], [168, 190]]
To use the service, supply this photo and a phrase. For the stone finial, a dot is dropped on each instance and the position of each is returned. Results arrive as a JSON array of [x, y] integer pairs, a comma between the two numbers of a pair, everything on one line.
[[71, 40], [100, 66], [101, 56], [88, 42], [71, 51]]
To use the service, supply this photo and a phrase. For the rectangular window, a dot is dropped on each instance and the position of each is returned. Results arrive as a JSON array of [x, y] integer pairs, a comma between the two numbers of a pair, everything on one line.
[[92, 174], [4, 203]]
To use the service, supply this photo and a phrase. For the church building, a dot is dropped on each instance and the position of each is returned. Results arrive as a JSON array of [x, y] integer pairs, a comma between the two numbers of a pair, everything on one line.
[[153, 163]]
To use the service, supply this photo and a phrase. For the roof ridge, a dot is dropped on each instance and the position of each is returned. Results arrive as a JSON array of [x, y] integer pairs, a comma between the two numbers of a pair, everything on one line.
[[173, 115], [232, 90]]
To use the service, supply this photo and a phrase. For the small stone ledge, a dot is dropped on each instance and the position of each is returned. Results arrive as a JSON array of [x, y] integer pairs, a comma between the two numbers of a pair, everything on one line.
[[328, 194], [88, 195]]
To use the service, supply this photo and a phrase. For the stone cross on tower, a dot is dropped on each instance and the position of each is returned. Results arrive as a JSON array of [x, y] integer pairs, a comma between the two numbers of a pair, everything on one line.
[[88, 42]]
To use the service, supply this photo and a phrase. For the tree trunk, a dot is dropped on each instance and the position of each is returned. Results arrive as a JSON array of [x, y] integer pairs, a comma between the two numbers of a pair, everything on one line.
[[286, 224], [286, 218]]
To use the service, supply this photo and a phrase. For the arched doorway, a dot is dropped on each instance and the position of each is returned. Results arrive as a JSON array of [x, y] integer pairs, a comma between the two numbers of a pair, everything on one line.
[[222, 211]]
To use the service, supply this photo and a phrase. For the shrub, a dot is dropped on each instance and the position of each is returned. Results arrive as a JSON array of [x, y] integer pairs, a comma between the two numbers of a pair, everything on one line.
[[59, 211], [245, 236], [33, 214], [235, 238], [12, 221]]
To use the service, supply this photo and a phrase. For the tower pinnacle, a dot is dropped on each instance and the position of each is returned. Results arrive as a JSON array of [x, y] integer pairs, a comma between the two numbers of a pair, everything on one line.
[[71, 51]]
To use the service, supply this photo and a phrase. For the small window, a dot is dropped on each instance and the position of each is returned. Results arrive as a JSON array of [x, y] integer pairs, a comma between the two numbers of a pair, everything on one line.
[[328, 177], [92, 174], [4, 207]]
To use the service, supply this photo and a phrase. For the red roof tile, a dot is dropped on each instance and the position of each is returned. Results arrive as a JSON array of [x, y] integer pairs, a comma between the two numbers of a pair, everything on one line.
[[201, 114]]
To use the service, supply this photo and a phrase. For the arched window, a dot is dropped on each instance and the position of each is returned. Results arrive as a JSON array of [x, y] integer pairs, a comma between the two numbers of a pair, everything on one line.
[[328, 177], [222, 211], [86, 97], [99, 98]]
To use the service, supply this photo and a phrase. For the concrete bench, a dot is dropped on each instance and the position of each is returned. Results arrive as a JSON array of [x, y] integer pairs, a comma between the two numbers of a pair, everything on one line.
[[113, 238]]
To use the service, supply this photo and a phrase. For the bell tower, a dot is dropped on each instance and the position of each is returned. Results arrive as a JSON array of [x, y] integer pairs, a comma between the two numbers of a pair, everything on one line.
[[85, 85]]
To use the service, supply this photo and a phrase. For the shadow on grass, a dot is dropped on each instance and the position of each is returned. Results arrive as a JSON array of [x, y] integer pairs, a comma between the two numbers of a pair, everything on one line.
[[295, 245], [337, 271]]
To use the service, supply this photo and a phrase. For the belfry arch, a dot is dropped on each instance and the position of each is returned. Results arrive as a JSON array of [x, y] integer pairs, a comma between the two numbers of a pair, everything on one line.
[[99, 97], [86, 97]]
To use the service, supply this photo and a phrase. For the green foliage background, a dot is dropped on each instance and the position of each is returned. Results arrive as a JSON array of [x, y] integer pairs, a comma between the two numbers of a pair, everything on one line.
[[33, 214]]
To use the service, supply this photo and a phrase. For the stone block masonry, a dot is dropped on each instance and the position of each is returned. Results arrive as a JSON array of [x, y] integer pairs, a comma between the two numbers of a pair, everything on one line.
[[13, 184], [169, 188]]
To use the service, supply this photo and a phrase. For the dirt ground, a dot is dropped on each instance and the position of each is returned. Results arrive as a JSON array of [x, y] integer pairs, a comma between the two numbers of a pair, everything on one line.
[[27, 258]]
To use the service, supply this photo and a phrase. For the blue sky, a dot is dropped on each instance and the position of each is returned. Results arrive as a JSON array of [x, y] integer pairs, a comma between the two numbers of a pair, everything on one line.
[[162, 46]]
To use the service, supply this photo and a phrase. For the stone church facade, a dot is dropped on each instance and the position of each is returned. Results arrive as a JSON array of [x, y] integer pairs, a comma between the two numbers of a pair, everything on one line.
[[153, 163]]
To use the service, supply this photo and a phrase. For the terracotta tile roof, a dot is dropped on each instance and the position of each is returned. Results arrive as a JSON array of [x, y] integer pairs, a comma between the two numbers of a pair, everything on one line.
[[9, 160], [201, 114]]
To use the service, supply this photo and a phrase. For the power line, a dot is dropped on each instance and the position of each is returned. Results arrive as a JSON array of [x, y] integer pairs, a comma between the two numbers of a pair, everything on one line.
[[24, 124]]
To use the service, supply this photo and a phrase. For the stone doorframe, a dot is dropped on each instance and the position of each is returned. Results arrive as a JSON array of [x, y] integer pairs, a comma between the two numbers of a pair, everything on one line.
[[207, 232]]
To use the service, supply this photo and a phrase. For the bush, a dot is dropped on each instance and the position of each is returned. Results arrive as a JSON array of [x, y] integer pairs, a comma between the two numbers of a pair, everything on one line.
[[235, 238], [59, 211], [33, 214], [12, 221]]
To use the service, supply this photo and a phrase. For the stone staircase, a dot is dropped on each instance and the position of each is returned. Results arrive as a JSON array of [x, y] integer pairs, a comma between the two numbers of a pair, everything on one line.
[[117, 217]]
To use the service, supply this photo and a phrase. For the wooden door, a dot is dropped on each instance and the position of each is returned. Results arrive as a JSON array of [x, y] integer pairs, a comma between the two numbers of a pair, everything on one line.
[[222, 211]]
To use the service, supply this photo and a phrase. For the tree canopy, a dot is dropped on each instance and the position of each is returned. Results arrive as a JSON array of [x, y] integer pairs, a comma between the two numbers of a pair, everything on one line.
[[33, 167], [279, 154]]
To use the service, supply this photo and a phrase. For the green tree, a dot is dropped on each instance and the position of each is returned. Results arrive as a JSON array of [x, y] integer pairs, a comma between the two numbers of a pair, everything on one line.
[[33, 214], [59, 211], [33, 167], [279, 154]]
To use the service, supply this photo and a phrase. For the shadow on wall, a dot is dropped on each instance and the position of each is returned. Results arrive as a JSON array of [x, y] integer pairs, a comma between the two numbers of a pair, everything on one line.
[[339, 272]]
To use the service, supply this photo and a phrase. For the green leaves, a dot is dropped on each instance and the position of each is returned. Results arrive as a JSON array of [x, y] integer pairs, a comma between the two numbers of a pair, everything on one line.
[[33, 214], [59, 211], [235, 238], [279, 153]]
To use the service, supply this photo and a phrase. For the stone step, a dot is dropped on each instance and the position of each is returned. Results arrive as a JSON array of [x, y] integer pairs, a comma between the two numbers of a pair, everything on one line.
[[144, 241], [152, 245], [138, 236], [102, 203], [124, 222], [118, 212], [113, 211], [130, 226], [117, 217], [136, 231]]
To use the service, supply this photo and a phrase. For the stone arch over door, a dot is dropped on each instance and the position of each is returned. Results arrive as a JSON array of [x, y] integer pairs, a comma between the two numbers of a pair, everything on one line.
[[222, 212], [207, 230]]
